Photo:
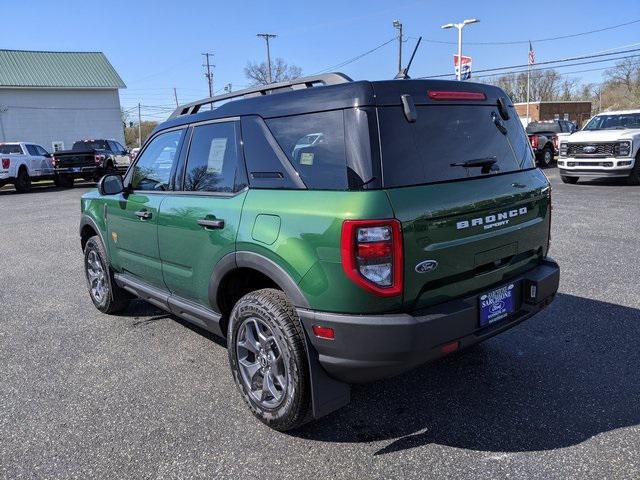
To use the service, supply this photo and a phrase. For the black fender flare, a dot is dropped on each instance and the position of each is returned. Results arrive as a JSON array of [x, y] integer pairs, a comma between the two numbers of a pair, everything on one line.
[[87, 220], [260, 263]]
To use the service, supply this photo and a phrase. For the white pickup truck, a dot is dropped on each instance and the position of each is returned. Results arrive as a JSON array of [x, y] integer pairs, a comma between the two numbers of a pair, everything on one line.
[[21, 163], [607, 146]]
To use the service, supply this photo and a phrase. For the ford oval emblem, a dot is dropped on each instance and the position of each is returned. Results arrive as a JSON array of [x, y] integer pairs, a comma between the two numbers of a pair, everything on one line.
[[426, 266], [589, 149]]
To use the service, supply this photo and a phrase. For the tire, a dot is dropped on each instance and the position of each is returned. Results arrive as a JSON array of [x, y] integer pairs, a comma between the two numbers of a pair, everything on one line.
[[276, 355], [634, 176], [63, 181], [571, 180], [546, 159], [23, 181], [105, 294]]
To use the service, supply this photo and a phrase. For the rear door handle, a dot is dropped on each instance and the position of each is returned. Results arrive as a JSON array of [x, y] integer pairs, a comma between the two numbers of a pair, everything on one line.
[[211, 224], [144, 214]]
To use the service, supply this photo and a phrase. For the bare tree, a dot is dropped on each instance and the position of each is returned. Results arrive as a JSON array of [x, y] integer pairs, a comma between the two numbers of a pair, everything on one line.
[[281, 71]]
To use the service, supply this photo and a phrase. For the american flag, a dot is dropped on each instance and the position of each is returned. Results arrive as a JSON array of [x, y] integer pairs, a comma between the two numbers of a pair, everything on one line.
[[532, 55]]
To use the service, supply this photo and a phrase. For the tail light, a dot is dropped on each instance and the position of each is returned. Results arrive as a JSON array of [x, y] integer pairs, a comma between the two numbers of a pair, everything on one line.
[[6, 163], [99, 158], [555, 142], [53, 161], [534, 141], [372, 255], [447, 95]]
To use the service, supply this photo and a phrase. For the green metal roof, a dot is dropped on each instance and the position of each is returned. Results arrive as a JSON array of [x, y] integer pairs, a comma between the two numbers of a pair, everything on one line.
[[21, 68]]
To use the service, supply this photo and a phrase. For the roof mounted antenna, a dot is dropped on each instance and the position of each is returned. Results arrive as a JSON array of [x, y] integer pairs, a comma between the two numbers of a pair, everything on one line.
[[404, 74]]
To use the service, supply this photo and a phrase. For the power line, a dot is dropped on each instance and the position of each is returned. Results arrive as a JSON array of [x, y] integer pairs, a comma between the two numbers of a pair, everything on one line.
[[564, 66], [540, 40], [356, 58], [549, 62]]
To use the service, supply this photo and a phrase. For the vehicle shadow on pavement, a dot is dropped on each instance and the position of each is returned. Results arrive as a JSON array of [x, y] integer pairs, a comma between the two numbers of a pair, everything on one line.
[[564, 376]]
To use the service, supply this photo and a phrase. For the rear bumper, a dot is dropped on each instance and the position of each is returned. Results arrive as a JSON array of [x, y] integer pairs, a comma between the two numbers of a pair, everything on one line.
[[87, 170], [371, 347]]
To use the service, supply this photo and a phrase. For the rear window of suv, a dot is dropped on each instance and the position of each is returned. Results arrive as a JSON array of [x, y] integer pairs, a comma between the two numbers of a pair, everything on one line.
[[424, 151]]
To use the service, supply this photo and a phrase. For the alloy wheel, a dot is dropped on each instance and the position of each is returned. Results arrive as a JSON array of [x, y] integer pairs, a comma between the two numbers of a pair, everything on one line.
[[262, 364], [97, 277]]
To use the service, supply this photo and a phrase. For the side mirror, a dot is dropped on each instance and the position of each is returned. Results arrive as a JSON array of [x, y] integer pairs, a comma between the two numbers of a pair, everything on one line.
[[111, 185]]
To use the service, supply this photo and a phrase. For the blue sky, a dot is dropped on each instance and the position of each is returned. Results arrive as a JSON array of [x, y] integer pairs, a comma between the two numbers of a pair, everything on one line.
[[156, 45]]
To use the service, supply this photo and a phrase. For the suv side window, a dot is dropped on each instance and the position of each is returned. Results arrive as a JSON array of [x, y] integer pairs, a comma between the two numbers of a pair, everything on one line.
[[152, 170], [113, 147], [213, 162], [315, 145]]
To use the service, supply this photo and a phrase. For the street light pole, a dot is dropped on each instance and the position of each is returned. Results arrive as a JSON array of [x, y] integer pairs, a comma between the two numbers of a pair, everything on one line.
[[267, 36], [398, 25], [460, 26]]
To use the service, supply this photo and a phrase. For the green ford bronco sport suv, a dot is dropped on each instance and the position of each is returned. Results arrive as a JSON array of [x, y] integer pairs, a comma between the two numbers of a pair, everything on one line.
[[333, 231]]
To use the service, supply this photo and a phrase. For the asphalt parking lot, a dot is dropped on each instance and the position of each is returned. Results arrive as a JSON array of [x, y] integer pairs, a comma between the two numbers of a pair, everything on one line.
[[145, 395]]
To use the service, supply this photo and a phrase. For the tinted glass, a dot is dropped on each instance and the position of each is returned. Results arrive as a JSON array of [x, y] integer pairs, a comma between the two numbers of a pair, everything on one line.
[[424, 151], [91, 145], [10, 150], [212, 164], [539, 127], [315, 146], [41, 151], [32, 150], [152, 171], [265, 167]]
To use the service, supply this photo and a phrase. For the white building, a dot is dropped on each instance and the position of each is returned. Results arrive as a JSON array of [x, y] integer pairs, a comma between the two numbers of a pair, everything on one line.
[[56, 98]]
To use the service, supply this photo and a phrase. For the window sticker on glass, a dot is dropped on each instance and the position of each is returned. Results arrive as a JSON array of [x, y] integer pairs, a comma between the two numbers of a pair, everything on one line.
[[216, 155], [306, 158]]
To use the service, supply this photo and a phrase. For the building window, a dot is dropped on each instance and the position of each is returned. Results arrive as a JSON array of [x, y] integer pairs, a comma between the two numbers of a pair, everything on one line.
[[566, 117], [57, 146], [556, 116]]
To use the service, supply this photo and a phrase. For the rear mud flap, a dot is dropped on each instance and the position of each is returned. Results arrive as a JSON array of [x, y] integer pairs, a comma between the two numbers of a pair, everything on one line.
[[327, 394]]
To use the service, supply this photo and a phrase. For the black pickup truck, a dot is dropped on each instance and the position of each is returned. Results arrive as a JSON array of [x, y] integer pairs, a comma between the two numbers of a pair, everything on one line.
[[89, 160], [544, 137]]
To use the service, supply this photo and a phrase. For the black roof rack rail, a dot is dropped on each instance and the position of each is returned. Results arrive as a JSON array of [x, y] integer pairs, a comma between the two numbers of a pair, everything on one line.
[[296, 84]]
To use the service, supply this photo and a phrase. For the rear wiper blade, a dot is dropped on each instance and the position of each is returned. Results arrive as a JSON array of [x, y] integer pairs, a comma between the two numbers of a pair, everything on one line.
[[476, 162]]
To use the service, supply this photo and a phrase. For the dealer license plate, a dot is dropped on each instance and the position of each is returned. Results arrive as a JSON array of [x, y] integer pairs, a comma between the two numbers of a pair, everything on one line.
[[496, 305]]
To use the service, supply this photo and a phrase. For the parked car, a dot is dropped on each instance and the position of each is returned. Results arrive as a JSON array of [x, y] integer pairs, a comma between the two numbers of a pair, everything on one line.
[[607, 146], [90, 160], [544, 137], [417, 227], [22, 163]]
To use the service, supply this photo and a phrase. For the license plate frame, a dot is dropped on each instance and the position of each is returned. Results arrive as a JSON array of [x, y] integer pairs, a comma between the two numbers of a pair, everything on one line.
[[496, 305], [75, 170]]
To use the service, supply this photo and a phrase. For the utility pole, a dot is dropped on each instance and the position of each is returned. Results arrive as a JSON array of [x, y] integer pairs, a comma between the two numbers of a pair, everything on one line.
[[398, 25], [175, 95], [139, 127], [208, 75], [266, 37], [460, 26]]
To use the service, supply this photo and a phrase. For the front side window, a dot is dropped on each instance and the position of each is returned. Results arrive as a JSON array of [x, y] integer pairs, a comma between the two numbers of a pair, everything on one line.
[[41, 151], [152, 171], [32, 150], [213, 163]]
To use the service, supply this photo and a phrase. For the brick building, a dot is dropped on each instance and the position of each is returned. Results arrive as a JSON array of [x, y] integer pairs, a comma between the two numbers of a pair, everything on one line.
[[576, 112]]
